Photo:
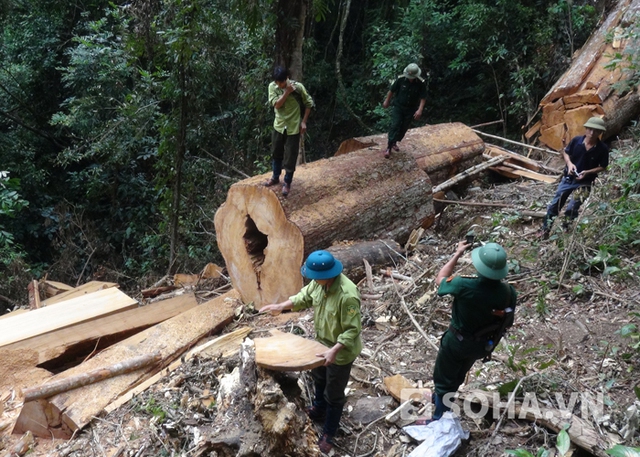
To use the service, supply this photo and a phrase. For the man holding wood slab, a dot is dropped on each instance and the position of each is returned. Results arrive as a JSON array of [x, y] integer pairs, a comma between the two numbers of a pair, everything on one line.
[[585, 157], [338, 324]]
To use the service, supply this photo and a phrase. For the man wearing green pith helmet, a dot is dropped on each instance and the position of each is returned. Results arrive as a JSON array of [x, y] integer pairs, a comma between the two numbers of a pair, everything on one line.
[[337, 320], [407, 95], [483, 307]]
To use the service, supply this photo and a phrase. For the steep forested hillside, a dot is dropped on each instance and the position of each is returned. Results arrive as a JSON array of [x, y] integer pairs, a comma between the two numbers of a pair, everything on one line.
[[122, 124]]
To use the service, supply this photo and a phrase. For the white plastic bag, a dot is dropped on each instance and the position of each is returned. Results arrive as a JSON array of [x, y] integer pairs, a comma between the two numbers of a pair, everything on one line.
[[439, 438]]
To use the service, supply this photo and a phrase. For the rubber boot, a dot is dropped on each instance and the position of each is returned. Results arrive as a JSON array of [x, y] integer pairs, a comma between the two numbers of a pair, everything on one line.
[[440, 407]]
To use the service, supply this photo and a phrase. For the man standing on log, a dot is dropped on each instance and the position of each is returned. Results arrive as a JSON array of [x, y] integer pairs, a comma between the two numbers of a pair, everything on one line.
[[483, 308], [585, 157], [286, 96], [337, 320], [409, 93]]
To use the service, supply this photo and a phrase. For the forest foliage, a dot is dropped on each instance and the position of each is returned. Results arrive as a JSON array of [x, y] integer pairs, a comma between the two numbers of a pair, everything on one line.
[[122, 124]]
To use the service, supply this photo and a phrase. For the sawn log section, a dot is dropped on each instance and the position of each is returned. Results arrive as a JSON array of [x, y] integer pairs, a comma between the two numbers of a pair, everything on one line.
[[441, 150], [264, 238]]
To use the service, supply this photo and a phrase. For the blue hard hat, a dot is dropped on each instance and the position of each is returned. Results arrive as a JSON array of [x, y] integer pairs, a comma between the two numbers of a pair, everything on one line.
[[321, 265]]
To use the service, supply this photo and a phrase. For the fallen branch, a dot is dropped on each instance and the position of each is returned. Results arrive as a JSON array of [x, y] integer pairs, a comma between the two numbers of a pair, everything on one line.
[[91, 377], [413, 319], [516, 142], [476, 169], [505, 206]]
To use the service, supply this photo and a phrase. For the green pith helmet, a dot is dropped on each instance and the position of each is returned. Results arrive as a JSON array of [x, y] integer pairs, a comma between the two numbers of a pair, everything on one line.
[[596, 123], [412, 71], [490, 261]]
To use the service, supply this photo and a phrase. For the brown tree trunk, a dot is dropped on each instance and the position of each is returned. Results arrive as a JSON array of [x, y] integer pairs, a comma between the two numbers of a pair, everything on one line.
[[589, 89], [264, 238], [441, 150], [378, 253], [289, 34]]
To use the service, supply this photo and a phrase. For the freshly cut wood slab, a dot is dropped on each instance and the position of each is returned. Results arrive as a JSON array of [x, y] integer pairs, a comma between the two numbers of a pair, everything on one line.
[[55, 343], [288, 352], [59, 315], [85, 289], [70, 411], [402, 389]]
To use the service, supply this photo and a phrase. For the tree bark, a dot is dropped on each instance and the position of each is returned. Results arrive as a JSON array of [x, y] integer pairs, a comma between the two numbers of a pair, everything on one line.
[[441, 150], [264, 239], [73, 382], [378, 253], [589, 89]]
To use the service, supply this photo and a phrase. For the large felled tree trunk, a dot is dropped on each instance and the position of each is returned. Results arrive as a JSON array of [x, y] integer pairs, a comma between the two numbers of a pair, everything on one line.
[[441, 150], [265, 238], [589, 89]]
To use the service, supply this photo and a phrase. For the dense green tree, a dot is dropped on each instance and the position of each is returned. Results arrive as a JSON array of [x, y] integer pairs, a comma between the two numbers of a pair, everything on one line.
[[125, 122]]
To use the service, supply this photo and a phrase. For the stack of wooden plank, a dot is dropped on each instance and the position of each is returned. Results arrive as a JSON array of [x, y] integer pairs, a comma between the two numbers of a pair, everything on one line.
[[81, 349], [518, 166]]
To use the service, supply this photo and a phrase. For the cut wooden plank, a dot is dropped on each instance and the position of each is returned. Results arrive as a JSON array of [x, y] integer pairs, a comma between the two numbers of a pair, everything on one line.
[[396, 384], [575, 119], [34, 295], [518, 159], [82, 379], [515, 170], [533, 130], [288, 352], [84, 289], [223, 346], [264, 239], [584, 97], [554, 136], [52, 288], [70, 411], [53, 344], [64, 314]]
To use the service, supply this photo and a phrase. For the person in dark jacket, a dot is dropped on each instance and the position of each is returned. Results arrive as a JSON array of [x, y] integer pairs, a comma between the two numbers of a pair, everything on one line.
[[409, 94], [585, 156]]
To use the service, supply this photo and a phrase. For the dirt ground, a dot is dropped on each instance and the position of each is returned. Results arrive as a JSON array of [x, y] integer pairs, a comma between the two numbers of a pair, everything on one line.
[[566, 340]]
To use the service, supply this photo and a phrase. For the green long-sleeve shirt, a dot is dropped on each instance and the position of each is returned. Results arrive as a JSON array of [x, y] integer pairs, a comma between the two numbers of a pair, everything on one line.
[[288, 115], [336, 315]]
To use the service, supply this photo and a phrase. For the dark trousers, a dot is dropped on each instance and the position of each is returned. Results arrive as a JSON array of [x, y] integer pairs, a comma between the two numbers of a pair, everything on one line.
[[284, 154], [401, 118], [565, 190], [330, 383], [455, 358]]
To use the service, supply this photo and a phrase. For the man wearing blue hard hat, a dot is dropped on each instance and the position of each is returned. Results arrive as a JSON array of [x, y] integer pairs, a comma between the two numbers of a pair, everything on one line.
[[483, 308], [337, 320]]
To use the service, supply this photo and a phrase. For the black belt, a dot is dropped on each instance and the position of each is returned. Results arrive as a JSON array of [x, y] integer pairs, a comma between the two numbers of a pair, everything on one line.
[[466, 336]]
